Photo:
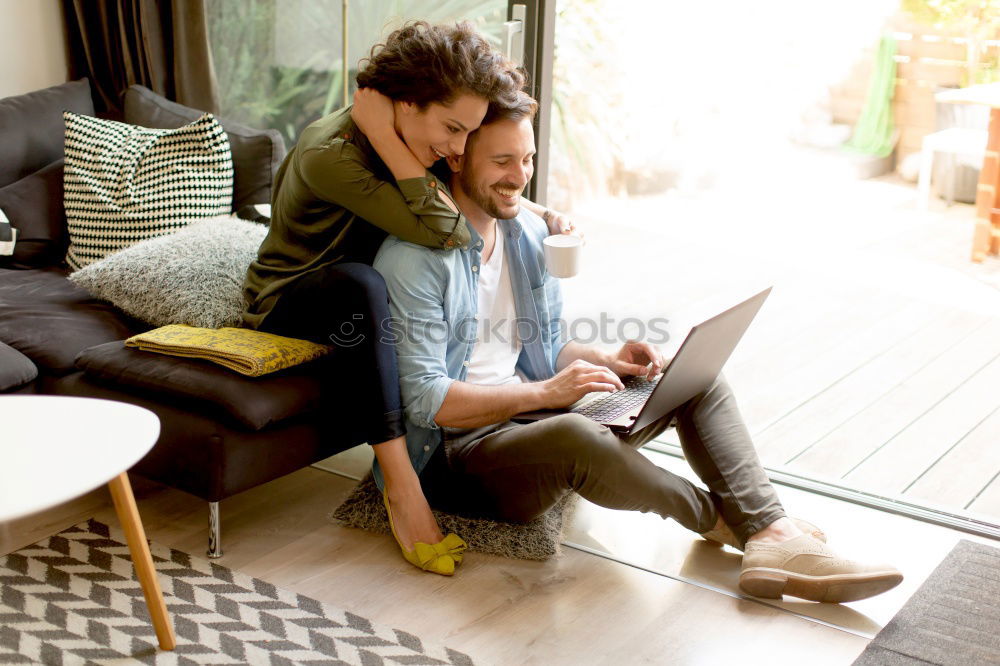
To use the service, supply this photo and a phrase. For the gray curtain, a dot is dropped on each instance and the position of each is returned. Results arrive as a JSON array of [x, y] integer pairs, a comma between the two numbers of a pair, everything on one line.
[[162, 45]]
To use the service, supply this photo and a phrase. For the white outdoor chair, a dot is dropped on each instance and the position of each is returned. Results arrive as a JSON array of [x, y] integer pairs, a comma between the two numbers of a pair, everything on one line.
[[957, 141]]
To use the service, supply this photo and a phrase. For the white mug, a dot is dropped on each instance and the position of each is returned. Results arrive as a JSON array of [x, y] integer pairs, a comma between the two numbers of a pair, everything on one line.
[[562, 255]]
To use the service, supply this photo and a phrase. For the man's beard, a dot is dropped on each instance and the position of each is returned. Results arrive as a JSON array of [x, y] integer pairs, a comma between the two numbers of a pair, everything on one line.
[[482, 198]]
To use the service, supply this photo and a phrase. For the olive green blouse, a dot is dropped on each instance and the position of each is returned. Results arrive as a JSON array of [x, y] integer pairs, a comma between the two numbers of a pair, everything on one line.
[[334, 200]]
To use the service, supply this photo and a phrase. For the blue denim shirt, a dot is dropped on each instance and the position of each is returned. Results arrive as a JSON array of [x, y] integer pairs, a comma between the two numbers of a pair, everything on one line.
[[433, 299]]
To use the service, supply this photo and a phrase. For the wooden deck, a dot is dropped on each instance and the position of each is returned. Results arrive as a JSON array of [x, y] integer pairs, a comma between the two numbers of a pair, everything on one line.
[[629, 587], [876, 361]]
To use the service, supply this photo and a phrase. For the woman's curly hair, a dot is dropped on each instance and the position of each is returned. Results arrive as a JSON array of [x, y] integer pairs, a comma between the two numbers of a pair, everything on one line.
[[423, 63]]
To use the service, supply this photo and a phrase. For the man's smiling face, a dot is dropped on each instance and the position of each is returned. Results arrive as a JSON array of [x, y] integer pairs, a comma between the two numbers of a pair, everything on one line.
[[497, 165]]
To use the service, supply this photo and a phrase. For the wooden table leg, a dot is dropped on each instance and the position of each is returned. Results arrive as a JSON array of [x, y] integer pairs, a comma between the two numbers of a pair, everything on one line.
[[135, 536], [987, 193]]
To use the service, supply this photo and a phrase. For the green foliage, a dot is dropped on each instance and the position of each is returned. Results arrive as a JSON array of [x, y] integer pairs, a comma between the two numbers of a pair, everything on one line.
[[279, 63], [254, 88], [961, 14], [976, 20], [370, 21], [585, 140]]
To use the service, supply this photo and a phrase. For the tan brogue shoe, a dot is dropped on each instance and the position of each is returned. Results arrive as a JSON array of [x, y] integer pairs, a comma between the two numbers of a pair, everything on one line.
[[806, 568]]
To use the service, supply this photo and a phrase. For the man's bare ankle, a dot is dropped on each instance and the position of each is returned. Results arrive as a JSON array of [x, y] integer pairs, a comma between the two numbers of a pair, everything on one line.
[[780, 530]]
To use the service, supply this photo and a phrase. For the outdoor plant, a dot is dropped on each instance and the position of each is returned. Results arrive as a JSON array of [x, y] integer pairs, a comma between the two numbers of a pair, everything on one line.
[[586, 150], [285, 69]]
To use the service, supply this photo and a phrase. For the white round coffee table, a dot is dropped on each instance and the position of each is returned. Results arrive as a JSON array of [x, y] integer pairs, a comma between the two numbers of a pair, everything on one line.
[[54, 449]]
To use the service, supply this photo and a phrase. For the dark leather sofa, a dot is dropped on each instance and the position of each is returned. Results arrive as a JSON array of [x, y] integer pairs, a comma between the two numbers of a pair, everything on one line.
[[221, 433]]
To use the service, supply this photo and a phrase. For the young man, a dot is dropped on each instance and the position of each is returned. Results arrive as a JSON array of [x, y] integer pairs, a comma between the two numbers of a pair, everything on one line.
[[478, 342]]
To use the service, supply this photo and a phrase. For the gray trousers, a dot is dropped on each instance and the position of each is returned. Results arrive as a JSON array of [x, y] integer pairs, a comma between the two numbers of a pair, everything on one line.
[[516, 472]]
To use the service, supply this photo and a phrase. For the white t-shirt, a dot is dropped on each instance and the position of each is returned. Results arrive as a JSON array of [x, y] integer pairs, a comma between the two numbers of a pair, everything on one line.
[[497, 347]]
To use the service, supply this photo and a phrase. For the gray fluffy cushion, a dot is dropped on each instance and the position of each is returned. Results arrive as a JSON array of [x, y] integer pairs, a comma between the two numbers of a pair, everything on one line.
[[537, 540], [193, 276]]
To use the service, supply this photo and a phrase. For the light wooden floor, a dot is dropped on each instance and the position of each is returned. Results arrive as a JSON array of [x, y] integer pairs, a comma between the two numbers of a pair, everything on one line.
[[649, 542], [577, 609], [630, 588], [875, 363]]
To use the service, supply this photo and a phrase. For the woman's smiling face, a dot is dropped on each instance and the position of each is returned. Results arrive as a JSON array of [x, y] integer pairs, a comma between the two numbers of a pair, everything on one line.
[[439, 130]]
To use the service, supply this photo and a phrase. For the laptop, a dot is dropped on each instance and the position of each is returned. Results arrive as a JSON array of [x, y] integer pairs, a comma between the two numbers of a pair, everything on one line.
[[691, 371]]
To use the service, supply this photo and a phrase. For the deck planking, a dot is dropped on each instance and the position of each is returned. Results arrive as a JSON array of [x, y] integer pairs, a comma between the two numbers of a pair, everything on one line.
[[876, 317]]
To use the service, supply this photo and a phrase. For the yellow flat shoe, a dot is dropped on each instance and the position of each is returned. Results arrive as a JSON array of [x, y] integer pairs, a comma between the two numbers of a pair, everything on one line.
[[440, 558]]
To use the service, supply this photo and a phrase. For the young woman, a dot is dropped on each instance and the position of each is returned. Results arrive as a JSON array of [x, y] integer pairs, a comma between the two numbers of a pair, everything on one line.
[[354, 177]]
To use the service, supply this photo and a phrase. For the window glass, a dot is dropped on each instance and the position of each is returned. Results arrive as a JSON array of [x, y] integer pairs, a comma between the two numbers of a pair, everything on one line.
[[280, 64]]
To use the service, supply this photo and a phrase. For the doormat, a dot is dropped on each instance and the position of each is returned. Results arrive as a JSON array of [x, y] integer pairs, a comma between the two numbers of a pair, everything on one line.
[[954, 618]]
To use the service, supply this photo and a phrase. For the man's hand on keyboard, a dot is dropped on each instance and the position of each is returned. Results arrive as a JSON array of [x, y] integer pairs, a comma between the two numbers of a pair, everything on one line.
[[640, 359], [577, 380]]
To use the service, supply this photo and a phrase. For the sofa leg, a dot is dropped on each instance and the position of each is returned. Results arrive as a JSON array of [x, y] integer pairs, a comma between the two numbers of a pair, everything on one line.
[[214, 531]]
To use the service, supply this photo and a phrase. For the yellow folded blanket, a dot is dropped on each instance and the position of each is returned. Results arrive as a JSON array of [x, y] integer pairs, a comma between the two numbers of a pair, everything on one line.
[[252, 353]]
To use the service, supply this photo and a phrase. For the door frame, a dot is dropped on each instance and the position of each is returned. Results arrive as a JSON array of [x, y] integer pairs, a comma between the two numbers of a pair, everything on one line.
[[539, 48]]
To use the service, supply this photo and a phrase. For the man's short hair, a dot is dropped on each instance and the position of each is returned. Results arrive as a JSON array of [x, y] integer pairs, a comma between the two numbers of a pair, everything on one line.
[[516, 107]]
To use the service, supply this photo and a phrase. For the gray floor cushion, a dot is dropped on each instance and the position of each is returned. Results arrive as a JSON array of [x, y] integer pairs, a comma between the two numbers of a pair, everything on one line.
[[537, 540]]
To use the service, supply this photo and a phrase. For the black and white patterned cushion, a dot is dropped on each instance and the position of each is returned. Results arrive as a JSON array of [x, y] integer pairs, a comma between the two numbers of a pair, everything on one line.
[[125, 183]]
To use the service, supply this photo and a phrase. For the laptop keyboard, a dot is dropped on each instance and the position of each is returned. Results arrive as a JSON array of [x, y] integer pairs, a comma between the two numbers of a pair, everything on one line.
[[610, 407]]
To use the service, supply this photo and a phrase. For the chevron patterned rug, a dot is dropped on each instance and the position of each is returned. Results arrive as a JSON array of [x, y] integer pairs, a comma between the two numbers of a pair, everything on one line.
[[74, 599]]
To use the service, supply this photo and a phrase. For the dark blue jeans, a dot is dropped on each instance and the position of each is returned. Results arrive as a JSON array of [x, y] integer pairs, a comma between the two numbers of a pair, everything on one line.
[[345, 305]]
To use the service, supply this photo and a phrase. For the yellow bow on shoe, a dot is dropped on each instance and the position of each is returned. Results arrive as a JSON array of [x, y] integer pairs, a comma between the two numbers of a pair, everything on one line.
[[435, 557], [439, 558]]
